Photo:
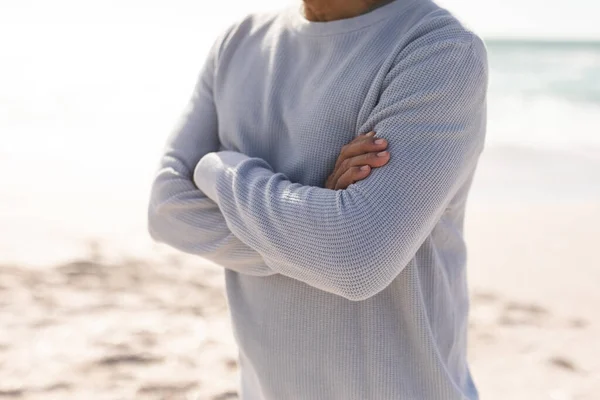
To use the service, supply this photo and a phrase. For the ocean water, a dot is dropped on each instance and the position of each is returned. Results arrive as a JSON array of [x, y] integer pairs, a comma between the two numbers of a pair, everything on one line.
[[544, 94], [74, 90], [89, 93]]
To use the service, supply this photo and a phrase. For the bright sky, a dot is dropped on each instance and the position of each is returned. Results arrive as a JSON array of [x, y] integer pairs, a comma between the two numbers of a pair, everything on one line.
[[573, 19], [550, 19]]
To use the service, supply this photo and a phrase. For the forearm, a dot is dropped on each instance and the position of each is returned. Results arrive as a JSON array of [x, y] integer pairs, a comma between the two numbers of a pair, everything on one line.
[[182, 217], [354, 242], [351, 242], [179, 214]]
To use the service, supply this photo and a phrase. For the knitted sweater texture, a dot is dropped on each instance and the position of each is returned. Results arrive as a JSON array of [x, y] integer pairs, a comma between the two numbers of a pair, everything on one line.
[[350, 294]]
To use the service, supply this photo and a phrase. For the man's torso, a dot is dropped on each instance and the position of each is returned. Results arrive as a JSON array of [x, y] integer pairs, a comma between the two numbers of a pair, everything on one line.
[[295, 100]]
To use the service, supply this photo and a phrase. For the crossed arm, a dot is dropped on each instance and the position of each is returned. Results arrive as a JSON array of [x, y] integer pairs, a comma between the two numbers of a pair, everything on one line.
[[350, 242], [181, 215]]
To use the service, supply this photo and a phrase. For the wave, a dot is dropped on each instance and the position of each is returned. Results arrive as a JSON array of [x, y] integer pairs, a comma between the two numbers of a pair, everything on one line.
[[560, 69]]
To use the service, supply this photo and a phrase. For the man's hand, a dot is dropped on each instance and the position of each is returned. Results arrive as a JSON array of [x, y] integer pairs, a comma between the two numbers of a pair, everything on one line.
[[356, 160]]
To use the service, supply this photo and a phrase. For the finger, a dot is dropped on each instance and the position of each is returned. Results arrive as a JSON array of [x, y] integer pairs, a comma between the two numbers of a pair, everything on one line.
[[330, 183], [352, 175], [374, 159], [362, 138], [361, 145], [341, 169]]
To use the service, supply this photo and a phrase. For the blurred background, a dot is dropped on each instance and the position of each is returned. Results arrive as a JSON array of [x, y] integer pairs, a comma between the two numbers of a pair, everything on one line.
[[91, 309]]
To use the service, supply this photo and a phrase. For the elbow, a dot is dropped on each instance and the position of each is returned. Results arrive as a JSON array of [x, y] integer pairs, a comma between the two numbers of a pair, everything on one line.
[[366, 257], [361, 289], [157, 219], [368, 274], [152, 232], [152, 224], [353, 296]]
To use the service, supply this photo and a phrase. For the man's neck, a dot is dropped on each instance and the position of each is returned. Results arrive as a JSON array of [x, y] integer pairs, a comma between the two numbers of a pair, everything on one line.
[[330, 10]]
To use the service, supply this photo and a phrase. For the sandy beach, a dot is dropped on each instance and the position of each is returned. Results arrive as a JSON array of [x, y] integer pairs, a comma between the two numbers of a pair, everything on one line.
[[150, 323], [92, 309], [534, 318]]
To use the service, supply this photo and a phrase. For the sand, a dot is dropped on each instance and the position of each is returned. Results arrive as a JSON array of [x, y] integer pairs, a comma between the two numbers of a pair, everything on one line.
[[137, 329], [153, 324], [535, 322]]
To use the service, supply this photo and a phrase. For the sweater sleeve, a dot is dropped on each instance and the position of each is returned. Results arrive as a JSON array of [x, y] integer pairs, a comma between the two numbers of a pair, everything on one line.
[[354, 242], [179, 214]]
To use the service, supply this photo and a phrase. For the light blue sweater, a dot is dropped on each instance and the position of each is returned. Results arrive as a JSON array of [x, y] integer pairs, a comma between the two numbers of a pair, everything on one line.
[[352, 294]]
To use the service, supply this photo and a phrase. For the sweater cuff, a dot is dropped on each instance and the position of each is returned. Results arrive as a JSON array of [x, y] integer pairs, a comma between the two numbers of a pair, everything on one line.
[[211, 166]]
